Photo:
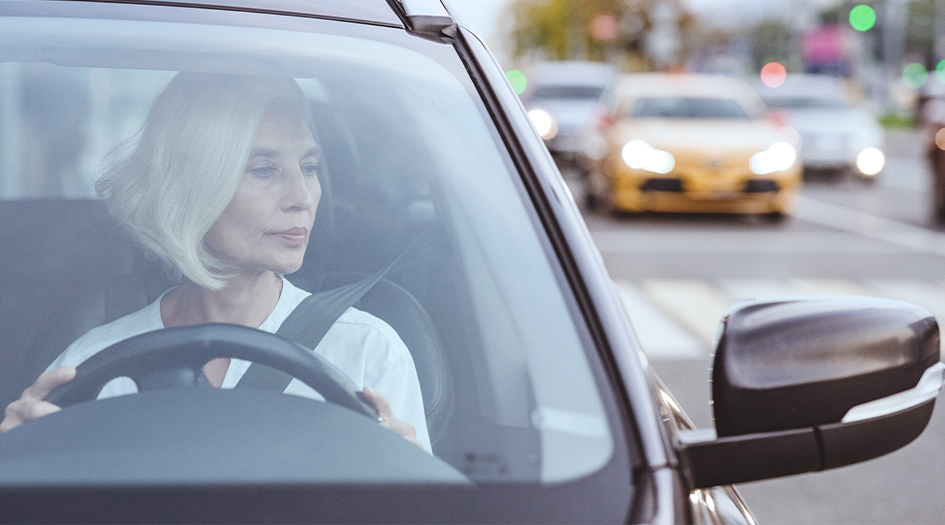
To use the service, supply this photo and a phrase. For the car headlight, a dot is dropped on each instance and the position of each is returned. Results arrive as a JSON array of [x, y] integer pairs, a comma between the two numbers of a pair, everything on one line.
[[779, 157], [544, 123], [870, 161], [640, 155]]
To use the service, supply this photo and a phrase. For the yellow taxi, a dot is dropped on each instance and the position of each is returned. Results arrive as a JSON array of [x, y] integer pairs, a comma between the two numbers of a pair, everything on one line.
[[693, 143]]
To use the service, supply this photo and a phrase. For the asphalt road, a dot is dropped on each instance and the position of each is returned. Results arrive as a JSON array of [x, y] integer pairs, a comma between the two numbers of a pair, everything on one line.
[[677, 273]]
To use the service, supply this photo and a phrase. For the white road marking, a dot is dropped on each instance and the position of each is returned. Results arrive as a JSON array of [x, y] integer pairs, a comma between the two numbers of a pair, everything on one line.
[[678, 318], [828, 287], [753, 288], [788, 242], [697, 305], [869, 225], [660, 337]]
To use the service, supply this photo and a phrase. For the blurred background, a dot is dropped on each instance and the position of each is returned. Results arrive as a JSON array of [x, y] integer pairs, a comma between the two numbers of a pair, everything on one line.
[[727, 149]]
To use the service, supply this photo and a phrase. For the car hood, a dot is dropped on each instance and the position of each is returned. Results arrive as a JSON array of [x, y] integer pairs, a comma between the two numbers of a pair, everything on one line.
[[708, 136], [567, 113]]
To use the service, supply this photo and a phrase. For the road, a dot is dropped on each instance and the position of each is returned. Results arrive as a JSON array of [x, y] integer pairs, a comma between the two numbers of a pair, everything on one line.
[[678, 273]]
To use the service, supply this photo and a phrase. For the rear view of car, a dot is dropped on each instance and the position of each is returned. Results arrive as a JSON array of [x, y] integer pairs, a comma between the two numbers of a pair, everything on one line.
[[694, 143], [836, 135], [566, 98]]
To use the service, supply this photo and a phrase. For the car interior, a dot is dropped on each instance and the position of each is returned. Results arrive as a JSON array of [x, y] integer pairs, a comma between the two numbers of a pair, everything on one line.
[[411, 175], [86, 272]]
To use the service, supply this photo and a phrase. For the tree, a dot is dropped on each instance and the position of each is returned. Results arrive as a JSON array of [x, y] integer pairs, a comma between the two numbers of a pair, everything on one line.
[[561, 30]]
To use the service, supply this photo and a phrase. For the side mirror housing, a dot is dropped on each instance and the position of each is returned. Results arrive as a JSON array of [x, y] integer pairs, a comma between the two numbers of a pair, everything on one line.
[[802, 384]]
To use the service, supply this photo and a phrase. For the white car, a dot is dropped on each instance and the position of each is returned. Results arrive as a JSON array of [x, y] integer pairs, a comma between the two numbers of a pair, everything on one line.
[[836, 134], [566, 98]]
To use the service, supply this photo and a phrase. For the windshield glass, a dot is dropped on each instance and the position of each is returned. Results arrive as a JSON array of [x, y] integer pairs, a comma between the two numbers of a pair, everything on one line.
[[688, 108], [148, 168], [569, 92], [805, 103]]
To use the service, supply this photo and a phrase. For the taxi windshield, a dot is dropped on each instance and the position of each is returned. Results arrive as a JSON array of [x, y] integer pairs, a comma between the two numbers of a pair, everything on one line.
[[148, 168], [688, 108], [802, 102]]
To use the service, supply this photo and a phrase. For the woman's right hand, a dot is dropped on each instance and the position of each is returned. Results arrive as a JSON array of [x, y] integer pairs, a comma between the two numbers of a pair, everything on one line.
[[32, 404]]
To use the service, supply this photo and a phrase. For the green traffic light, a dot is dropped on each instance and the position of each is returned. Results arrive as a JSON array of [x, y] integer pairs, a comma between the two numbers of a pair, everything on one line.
[[862, 17]]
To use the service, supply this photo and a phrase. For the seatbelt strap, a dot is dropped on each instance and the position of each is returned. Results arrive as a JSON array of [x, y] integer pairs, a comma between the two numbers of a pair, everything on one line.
[[310, 321]]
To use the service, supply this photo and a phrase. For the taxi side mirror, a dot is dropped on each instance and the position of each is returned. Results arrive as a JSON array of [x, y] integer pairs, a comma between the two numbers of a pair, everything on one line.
[[803, 384]]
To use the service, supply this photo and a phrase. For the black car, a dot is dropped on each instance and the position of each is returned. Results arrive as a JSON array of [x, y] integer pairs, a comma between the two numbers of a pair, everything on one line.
[[441, 205]]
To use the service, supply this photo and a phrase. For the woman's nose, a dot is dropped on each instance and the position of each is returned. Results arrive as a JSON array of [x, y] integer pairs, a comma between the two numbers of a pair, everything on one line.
[[298, 191]]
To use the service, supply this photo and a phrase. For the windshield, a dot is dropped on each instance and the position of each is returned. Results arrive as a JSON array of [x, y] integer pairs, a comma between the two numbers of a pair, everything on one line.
[[688, 108], [146, 164], [569, 92], [805, 103]]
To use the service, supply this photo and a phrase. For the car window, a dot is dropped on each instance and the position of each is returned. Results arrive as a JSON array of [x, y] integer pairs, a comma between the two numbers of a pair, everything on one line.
[[569, 92], [413, 177], [688, 108], [805, 103]]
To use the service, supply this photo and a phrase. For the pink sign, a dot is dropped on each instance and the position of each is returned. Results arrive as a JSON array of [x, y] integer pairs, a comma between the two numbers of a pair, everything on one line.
[[823, 45]]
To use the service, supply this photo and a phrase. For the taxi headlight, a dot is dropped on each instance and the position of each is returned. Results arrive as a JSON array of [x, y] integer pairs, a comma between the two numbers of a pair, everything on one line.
[[640, 155], [544, 123], [870, 161], [779, 157]]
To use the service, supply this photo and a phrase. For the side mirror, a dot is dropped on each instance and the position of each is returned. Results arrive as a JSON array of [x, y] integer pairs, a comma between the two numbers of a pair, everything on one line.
[[802, 384]]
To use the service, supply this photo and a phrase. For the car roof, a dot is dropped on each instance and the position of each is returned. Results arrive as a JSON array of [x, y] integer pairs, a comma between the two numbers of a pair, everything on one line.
[[820, 86], [377, 12], [572, 72], [634, 85]]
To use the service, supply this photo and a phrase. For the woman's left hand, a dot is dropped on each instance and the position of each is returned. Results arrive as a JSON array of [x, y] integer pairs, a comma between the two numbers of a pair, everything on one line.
[[387, 418]]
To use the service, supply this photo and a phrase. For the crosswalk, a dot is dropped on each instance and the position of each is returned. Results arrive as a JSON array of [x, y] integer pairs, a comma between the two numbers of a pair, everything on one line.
[[678, 319]]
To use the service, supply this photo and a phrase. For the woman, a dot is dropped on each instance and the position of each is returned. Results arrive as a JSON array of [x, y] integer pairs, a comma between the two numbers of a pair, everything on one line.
[[222, 186]]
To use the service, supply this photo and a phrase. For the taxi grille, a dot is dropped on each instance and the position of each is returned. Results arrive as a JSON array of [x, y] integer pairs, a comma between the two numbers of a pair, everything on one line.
[[761, 186], [674, 185]]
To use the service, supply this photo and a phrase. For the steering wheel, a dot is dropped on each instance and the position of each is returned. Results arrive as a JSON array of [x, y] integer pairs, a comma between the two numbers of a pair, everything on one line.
[[173, 358]]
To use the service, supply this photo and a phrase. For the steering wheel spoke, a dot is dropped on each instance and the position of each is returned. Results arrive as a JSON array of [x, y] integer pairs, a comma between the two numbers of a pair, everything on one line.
[[179, 378]]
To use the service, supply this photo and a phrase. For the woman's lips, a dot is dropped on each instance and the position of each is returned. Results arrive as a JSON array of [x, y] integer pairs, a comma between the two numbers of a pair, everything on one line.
[[293, 236]]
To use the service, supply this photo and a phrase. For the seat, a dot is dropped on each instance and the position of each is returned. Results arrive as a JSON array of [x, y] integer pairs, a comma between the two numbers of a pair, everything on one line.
[[78, 310], [398, 308]]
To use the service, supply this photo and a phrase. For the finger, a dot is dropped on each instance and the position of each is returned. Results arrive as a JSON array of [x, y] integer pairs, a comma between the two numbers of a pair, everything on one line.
[[387, 418], [381, 404], [35, 409], [403, 429], [47, 381], [22, 411]]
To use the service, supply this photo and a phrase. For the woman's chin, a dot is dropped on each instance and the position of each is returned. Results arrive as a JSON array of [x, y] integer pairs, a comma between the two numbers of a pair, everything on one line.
[[286, 269]]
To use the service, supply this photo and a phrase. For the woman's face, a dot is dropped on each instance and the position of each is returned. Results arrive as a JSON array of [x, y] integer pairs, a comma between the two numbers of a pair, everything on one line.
[[267, 224]]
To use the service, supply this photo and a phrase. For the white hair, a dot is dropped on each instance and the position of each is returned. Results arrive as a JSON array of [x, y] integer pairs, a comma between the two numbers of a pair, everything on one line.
[[170, 186]]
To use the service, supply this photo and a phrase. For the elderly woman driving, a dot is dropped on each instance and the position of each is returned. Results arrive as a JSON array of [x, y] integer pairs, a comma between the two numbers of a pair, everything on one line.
[[222, 186]]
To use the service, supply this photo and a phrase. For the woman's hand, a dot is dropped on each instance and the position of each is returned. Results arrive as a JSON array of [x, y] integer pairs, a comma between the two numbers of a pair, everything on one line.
[[387, 418], [31, 404]]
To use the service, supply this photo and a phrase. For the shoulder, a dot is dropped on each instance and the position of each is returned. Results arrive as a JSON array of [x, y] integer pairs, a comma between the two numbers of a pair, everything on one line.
[[374, 328], [353, 327], [97, 339]]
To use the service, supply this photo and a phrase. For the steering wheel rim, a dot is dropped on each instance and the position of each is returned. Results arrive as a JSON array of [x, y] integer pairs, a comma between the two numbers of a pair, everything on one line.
[[174, 358]]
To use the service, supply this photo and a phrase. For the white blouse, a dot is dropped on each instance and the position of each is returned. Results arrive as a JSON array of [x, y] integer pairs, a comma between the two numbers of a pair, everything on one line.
[[364, 347]]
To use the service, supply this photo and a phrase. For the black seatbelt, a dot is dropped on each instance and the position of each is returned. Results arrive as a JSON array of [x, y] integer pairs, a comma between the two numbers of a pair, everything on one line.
[[310, 321]]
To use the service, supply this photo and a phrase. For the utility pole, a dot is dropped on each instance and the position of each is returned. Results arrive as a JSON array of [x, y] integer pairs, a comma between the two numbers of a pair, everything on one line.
[[939, 31]]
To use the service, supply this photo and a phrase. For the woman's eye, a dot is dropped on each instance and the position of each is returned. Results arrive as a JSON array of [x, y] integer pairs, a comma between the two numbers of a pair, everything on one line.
[[310, 169], [263, 173]]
